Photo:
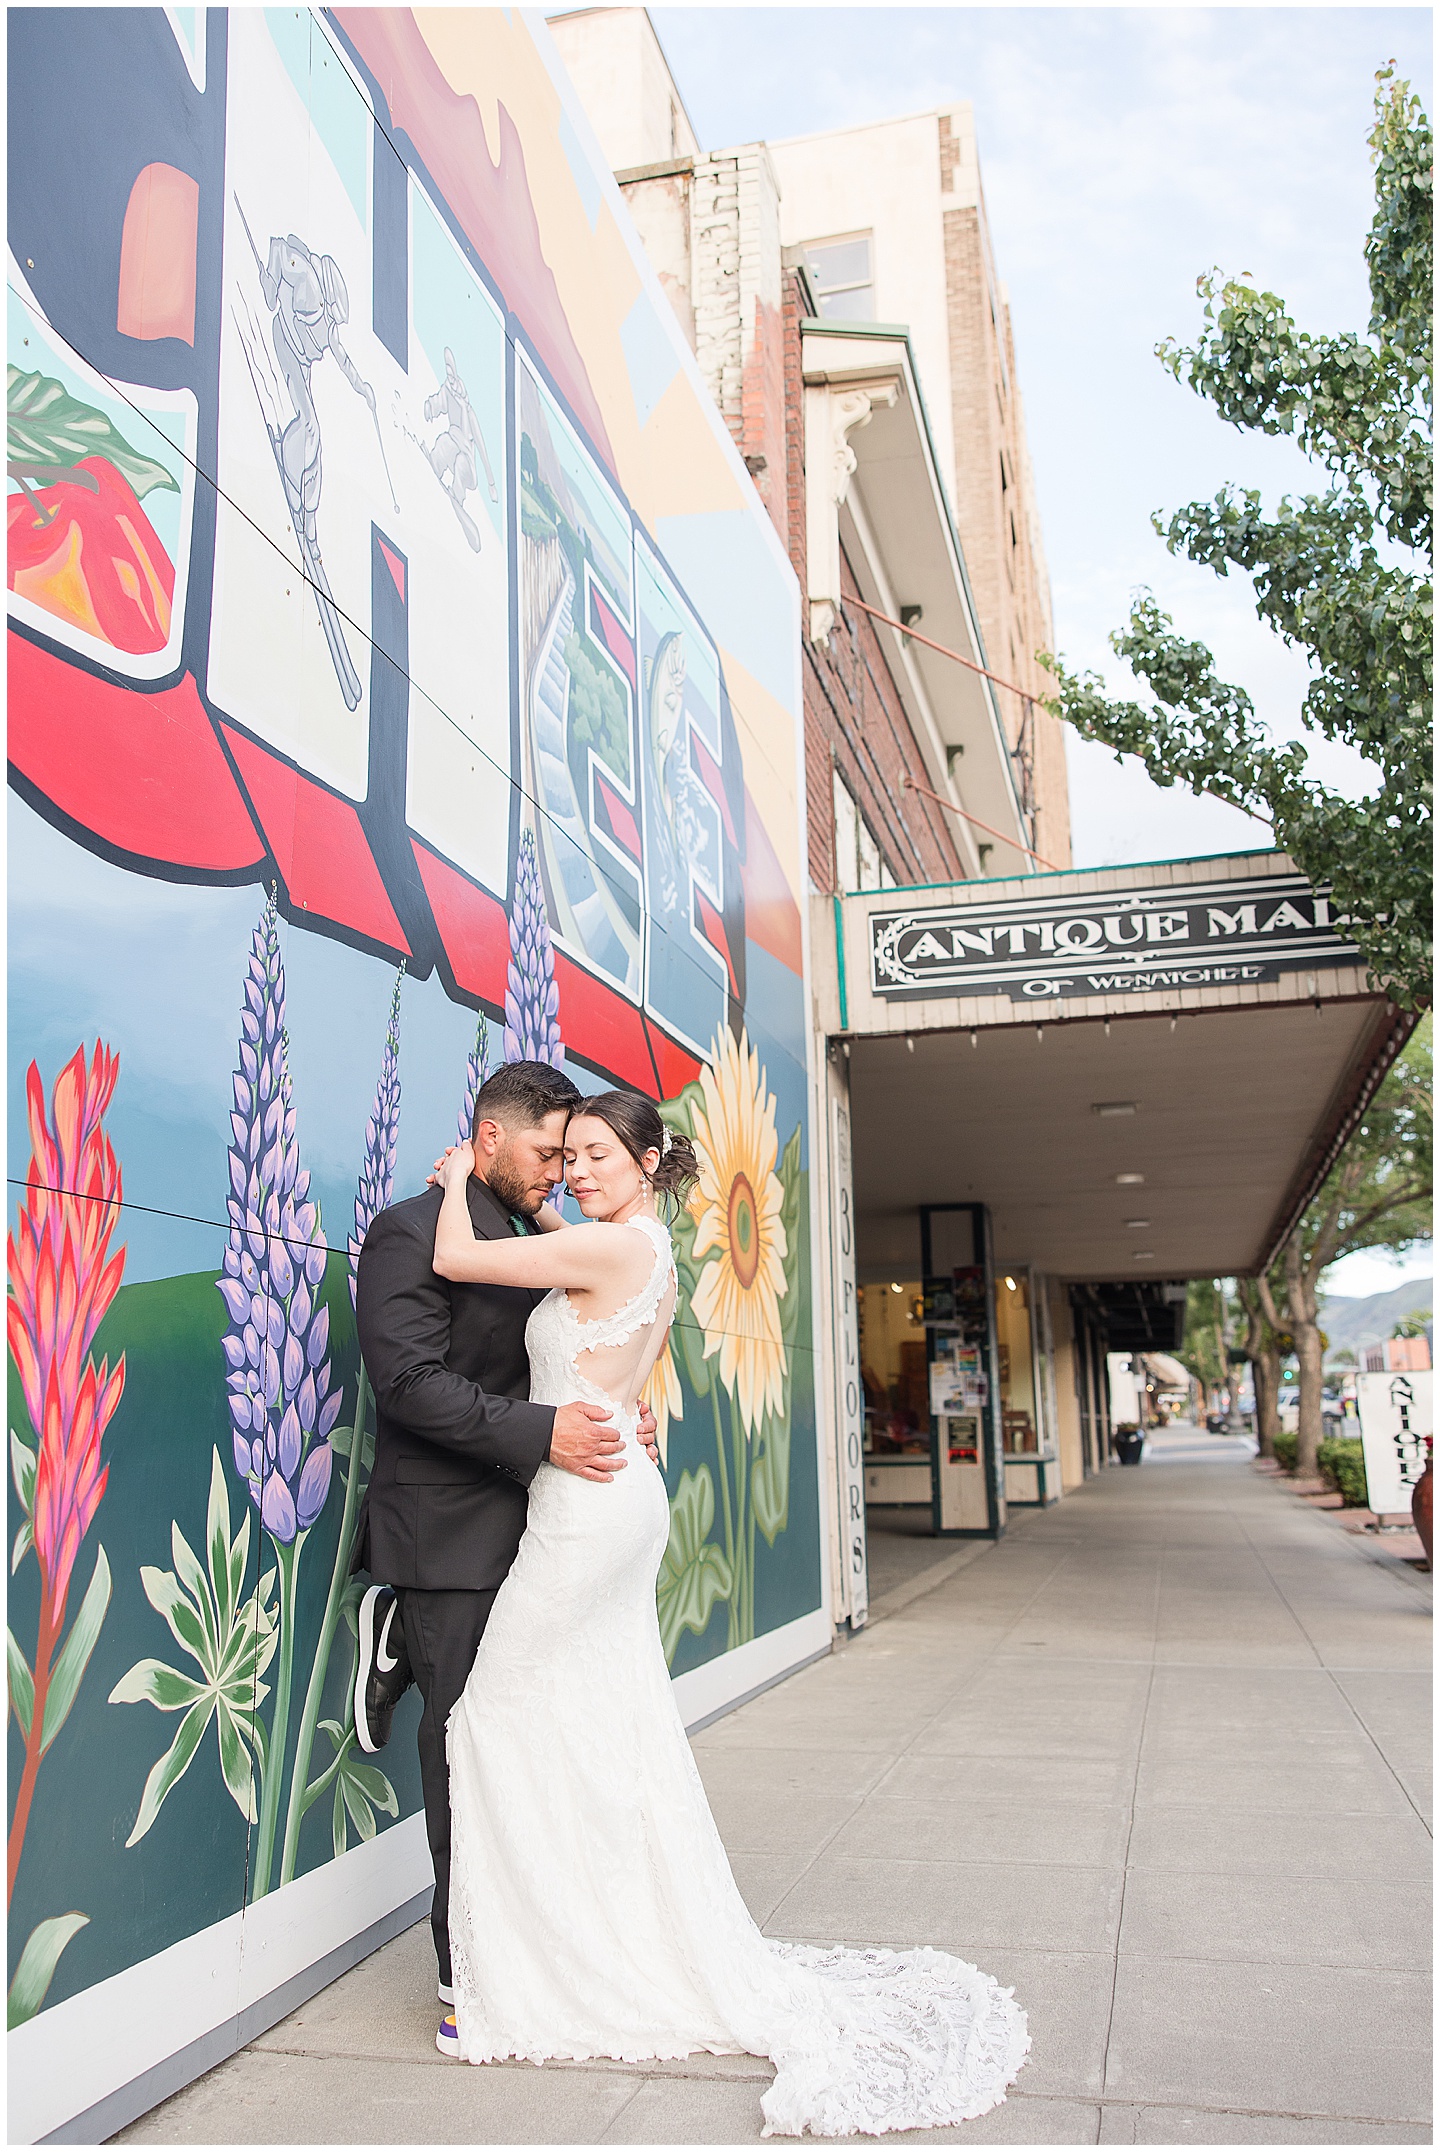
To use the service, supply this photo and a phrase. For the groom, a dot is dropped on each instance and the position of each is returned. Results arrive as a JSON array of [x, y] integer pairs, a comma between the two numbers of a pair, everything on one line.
[[457, 1441]]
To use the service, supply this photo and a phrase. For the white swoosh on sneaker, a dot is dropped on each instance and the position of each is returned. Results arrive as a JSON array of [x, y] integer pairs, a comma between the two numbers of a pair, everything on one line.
[[385, 1662]]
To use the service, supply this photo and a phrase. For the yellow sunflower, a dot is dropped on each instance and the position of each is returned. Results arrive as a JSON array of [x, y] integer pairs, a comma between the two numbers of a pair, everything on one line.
[[663, 1395], [737, 1207]]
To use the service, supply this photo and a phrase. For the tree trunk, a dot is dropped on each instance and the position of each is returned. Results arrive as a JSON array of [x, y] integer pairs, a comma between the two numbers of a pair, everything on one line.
[[1261, 1323], [1267, 1371], [1309, 1356]]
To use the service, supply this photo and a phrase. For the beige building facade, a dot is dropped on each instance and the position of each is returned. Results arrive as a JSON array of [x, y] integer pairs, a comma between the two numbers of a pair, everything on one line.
[[890, 220]]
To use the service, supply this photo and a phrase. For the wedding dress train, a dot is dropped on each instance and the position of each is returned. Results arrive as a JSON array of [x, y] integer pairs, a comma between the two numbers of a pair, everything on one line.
[[592, 1908]]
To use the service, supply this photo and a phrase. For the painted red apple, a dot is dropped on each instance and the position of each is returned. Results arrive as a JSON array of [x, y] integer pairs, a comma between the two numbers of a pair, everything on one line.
[[84, 549]]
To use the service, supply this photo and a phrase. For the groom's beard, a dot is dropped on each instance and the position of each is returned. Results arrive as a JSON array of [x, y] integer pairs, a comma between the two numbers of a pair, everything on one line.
[[508, 1184]]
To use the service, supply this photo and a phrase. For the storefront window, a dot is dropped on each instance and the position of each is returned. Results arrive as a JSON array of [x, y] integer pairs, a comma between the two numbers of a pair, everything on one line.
[[892, 1365], [1019, 1417]]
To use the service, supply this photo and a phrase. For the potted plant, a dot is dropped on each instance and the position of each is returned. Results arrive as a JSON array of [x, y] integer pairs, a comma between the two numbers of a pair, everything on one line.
[[1129, 1441]]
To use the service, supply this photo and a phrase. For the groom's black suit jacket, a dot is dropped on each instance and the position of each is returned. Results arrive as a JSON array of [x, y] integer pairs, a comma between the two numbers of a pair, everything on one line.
[[457, 1441]]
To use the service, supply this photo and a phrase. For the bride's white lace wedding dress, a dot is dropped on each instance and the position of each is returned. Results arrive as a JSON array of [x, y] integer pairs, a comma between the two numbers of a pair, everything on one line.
[[592, 1908]]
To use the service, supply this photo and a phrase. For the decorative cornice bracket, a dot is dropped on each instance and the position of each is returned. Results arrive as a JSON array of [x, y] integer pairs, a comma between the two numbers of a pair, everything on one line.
[[833, 411]]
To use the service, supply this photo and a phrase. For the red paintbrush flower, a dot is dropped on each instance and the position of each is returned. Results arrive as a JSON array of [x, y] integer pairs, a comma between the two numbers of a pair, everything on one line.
[[62, 1281]]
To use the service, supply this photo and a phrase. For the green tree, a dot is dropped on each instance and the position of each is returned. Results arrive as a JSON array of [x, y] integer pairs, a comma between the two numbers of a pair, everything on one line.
[[1343, 574], [1209, 1335], [1378, 1196], [597, 716]]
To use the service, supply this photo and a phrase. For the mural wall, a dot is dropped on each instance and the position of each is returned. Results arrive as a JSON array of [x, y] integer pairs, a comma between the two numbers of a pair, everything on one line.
[[402, 678]]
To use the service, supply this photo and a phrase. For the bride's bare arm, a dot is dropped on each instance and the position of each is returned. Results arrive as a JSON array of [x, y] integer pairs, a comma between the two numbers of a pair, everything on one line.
[[572, 1255]]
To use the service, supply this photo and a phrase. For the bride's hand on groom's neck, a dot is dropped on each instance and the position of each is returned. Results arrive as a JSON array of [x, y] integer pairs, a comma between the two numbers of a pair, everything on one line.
[[455, 1163]]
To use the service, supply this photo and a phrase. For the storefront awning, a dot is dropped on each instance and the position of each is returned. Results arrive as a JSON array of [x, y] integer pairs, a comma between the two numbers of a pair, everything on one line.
[[1144, 1072]]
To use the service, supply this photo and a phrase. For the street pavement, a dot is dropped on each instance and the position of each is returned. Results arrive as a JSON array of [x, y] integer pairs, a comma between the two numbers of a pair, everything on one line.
[[1160, 1760]]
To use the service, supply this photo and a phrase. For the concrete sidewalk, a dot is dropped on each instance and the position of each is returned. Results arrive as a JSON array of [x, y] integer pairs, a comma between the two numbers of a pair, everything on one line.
[[1160, 1759]]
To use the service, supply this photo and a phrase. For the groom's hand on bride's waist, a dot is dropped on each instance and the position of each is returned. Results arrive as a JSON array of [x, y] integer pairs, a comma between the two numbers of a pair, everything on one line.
[[584, 1440]]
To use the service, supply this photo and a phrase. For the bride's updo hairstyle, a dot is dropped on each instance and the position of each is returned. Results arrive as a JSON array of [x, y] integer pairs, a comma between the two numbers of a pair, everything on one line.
[[637, 1123]]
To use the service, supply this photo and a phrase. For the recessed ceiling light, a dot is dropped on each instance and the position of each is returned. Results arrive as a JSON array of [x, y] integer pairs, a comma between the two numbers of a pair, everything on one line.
[[1143, 1255], [1011, 1283], [896, 1288], [1136, 1225], [1111, 1109], [1129, 1180]]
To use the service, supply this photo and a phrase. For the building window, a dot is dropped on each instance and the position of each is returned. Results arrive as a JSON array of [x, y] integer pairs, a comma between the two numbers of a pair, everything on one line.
[[841, 273], [859, 862]]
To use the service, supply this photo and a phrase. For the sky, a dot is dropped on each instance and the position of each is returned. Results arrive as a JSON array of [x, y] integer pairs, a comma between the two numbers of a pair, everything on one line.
[[1123, 152]]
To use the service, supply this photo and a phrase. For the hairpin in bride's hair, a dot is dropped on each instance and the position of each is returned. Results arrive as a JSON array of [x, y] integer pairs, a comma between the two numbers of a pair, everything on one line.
[[666, 1139]]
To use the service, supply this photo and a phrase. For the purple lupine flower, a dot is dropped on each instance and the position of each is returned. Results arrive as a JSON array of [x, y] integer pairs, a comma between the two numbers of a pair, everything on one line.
[[532, 999], [282, 1406], [477, 1068], [377, 1168]]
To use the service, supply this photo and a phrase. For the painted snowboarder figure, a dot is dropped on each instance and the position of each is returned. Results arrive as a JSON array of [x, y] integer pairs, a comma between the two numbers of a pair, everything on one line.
[[452, 456], [307, 296]]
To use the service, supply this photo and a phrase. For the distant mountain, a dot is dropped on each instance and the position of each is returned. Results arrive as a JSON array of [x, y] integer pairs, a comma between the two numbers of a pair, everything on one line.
[[1355, 1322]]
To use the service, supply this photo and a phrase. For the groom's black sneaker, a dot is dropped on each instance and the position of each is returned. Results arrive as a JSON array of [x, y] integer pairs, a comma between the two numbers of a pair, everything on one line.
[[383, 1675]]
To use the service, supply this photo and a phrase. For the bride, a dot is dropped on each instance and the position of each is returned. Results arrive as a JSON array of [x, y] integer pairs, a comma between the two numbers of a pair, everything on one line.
[[592, 1908]]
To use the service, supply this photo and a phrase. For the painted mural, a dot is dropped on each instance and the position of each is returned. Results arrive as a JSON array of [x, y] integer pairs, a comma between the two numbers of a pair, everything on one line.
[[399, 681]]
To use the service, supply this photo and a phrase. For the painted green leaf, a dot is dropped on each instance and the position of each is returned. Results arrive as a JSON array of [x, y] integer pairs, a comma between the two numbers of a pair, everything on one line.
[[235, 1760], [38, 1961], [694, 1572], [373, 1783], [341, 1439], [79, 1644], [232, 1643], [239, 1555], [770, 1476], [172, 1766], [153, 1682], [22, 1468], [223, 1580], [22, 1687], [49, 431], [198, 1590], [24, 1540], [162, 1590], [362, 1815]]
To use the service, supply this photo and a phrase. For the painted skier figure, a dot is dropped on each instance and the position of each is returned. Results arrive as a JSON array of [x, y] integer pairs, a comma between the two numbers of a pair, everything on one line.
[[452, 456], [307, 296]]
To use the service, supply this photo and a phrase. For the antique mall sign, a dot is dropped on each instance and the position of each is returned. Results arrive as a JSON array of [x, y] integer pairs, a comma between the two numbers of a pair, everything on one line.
[[1116, 942]]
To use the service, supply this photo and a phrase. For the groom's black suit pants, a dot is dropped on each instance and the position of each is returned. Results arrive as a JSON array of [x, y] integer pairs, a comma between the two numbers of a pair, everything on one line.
[[442, 1631]]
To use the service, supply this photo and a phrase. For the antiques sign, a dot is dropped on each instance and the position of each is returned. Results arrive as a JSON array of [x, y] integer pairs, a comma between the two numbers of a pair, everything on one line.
[[1113, 942], [1396, 1422]]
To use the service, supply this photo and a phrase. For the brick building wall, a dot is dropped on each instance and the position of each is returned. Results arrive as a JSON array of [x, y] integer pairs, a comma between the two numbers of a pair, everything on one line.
[[711, 226], [855, 721]]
